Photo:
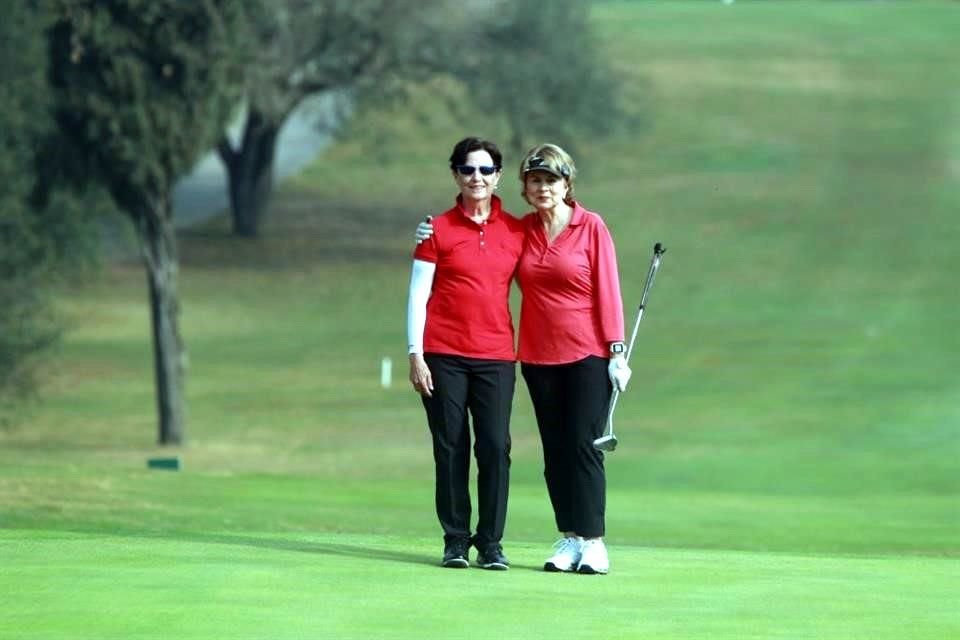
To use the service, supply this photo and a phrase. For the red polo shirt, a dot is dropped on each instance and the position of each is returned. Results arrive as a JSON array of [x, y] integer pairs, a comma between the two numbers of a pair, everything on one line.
[[468, 313], [571, 291]]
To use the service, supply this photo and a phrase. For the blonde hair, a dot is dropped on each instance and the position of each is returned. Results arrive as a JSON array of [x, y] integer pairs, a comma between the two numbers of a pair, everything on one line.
[[552, 159]]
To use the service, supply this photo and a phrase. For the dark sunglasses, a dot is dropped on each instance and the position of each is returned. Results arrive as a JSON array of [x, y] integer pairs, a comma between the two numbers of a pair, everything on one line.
[[469, 170]]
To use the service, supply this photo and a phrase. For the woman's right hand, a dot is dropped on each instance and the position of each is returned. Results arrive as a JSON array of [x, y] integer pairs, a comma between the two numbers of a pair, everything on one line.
[[420, 376], [424, 230]]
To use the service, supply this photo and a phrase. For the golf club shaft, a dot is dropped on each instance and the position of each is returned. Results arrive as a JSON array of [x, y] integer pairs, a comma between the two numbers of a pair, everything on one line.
[[613, 405], [651, 275]]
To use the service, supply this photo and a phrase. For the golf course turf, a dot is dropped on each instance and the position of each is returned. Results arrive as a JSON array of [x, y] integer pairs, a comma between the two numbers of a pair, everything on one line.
[[787, 465]]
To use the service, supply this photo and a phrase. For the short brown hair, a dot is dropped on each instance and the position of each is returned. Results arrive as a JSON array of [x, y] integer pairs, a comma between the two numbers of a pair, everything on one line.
[[465, 146]]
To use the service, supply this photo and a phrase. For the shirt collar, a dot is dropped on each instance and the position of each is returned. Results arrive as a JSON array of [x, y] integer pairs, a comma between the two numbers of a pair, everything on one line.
[[496, 206], [578, 215]]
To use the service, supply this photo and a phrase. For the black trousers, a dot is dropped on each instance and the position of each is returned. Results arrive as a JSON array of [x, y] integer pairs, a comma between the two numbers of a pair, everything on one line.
[[484, 389], [571, 402]]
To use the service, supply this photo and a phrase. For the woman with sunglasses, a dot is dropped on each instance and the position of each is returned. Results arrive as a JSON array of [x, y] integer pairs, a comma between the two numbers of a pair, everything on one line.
[[461, 348], [571, 349]]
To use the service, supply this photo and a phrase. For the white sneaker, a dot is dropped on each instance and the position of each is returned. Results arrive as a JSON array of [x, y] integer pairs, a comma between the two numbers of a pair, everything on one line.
[[593, 557], [566, 555]]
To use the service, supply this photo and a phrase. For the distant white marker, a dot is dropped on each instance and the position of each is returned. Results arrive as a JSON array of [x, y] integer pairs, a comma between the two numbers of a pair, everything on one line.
[[386, 372]]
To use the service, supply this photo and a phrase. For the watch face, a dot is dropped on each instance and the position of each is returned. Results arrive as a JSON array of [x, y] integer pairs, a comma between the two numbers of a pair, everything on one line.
[[616, 348]]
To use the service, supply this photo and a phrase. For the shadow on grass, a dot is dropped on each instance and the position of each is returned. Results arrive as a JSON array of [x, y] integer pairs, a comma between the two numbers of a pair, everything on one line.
[[305, 546], [326, 548], [363, 552], [367, 552]]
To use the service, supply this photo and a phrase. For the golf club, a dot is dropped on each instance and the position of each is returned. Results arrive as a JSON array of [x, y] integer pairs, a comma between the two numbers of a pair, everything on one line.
[[608, 441]]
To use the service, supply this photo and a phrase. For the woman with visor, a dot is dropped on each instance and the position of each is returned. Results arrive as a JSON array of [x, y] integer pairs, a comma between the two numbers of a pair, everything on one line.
[[461, 348], [571, 349]]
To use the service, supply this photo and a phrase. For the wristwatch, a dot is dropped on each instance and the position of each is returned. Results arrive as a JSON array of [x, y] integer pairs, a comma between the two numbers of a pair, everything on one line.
[[616, 348]]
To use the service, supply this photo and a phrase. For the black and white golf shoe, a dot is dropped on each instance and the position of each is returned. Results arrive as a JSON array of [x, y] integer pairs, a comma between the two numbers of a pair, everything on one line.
[[491, 557], [456, 554]]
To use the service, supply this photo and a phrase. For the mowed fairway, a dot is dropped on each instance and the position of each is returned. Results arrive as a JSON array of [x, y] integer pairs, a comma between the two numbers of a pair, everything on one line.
[[788, 465]]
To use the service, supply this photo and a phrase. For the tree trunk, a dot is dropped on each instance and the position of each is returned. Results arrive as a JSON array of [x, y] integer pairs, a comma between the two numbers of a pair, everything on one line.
[[250, 172], [159, 251]]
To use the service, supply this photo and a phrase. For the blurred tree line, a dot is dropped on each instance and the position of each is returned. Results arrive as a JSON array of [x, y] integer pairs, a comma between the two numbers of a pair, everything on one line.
[[107, 103], [25, 322], [42, 244]]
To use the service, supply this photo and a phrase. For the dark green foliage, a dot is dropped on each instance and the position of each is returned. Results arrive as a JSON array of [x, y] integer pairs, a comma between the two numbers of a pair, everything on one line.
[[139, 88], [522, 72], [26, 325], [540, 65], [45, 235]]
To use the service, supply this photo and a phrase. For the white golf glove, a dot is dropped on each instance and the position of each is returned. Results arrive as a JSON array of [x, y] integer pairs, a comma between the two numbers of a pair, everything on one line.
[[619, 372], [424, 230]]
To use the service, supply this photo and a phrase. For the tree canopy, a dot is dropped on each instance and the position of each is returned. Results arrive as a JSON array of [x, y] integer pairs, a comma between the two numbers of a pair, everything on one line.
[[141, 89], [26, 324], [543, 68], [293, 49]]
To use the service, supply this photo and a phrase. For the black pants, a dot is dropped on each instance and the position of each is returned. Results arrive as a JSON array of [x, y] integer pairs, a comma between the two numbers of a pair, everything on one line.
[[485, 389], [571, 402]]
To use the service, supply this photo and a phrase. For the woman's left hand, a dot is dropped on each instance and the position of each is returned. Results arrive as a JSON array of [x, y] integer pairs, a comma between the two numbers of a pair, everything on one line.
[[420, 376], [619, 372]]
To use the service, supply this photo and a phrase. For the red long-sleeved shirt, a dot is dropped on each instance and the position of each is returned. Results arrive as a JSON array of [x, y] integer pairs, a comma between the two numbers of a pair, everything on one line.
[[571, 305], [468, 313]]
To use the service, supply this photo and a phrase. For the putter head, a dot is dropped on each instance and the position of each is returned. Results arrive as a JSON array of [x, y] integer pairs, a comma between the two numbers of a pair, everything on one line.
[[606, 443]]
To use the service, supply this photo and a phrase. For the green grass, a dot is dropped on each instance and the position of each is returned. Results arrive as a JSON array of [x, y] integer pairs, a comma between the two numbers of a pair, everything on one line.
[[259, 584], [788, 452]]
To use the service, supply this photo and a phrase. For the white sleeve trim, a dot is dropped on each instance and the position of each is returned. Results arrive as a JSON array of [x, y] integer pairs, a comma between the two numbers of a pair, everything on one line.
[[421, 285]]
